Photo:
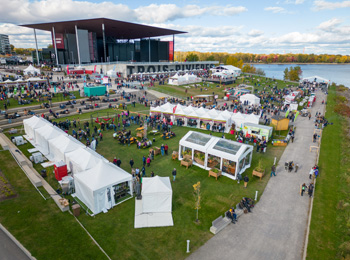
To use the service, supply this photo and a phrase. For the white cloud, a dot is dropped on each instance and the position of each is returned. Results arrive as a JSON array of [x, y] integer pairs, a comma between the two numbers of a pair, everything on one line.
[[324, 5], [26, 11], [329, 25], [275, 9], [295, 2], [255, 33]]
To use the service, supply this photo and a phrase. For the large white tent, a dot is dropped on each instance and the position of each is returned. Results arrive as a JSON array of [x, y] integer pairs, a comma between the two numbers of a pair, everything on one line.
[[156, 194], [99, 186], [30, 124], [43, 134], [209, 152], [227, 70], [250, 98], [31, 70], [61, 145], [185, 79], [81, 159]]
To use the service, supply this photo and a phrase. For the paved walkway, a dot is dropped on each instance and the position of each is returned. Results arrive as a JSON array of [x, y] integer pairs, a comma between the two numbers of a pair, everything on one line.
[[11, 250], [276, 228]]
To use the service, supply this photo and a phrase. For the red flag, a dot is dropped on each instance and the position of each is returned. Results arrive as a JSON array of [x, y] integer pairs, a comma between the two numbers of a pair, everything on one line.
[[174, 109]]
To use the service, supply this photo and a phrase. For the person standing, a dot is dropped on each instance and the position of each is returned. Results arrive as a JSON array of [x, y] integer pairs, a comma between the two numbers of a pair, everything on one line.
[[239, 178], [144, 160], [246, 180], [148, 161], [296, 167], [131, 163], [152, 174], [174, 174], [309, 116], [162, 149], [166, 149], [119, 162], [273, 170], [311, 173]]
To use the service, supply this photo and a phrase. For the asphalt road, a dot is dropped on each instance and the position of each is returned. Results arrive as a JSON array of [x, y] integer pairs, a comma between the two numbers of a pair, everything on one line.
[[276, 229]]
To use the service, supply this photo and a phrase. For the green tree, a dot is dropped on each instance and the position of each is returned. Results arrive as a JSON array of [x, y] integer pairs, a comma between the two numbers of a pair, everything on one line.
[[247, 68], [192, 57], [211, 58], [50, 46], [12, 47], [292, 74]]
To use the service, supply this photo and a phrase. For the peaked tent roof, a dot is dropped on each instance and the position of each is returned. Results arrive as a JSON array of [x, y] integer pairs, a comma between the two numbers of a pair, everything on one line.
[[156, 184], [104, 174]]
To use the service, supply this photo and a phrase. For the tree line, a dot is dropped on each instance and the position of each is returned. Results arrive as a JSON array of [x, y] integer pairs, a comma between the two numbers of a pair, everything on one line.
[[224, 57]]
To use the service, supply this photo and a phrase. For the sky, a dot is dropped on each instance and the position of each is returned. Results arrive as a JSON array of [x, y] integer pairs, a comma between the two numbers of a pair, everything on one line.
[[251, 26]]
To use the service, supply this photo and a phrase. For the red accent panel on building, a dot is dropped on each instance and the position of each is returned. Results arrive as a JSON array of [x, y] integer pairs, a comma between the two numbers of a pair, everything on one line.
[[59, 41], [171, 51]]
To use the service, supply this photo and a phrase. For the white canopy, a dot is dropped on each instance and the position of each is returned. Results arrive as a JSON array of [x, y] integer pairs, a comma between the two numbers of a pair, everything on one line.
[[31, 70], [43, 135], [156, 194], [317, 79], [95, 187], [31, 124], [81, 159], [35, 79], [61, 145], [252, 99]]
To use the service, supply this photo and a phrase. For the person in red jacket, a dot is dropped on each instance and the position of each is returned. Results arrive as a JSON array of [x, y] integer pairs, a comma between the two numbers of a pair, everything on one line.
[[166, 149]]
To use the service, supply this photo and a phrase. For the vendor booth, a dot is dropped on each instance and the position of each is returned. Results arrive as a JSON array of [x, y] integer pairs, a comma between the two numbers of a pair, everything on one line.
[[95, 90], [250, 98], [31, 70], [262, 132], [210, 152], [81, 159], [280, 122], [61, 145], [31, 124], [42, 136], [103, 186]]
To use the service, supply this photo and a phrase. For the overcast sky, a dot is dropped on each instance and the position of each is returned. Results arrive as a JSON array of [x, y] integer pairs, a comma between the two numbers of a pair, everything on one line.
[[255, 26]]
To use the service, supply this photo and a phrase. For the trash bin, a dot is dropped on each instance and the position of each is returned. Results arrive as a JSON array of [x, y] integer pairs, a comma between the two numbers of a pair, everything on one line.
[[76, 210]]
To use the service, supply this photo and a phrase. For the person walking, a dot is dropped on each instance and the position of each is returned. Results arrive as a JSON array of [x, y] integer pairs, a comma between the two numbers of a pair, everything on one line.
[[292, 137], [239, 178], [273, 170], [303, 189], [148, 161], [131, 163], [309, 116], [310, 189], [174, 174], [143, 170], [144, 160], [311, 173], [296, 167], [246, 180]]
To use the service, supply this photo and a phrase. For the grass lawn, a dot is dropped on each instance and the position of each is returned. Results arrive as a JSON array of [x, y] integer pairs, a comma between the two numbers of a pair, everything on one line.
[[208, 88], [115, 231], [58, 98], [329, 232], [38, 224]]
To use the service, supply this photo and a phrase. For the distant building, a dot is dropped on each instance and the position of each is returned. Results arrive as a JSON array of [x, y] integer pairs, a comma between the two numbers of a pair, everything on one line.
[[5, 47]]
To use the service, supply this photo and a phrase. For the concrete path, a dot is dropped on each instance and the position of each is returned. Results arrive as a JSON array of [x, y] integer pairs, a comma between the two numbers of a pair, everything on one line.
[[276, 228], [10, 248]]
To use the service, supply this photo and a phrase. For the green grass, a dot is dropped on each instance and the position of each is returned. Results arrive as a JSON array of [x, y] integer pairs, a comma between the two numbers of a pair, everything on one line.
[[58, 98], [115, 231], [38, 224], [258, 82], [330, 215]]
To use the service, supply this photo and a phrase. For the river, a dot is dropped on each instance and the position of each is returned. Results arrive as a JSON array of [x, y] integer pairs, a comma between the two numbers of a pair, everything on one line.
[[338, 73]]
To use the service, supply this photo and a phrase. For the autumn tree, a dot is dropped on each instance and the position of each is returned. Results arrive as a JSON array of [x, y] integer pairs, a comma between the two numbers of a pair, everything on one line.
[[292, 73], [192, 57]]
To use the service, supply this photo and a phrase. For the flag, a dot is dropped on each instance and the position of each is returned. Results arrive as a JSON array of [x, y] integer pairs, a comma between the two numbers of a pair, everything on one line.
[[287, 113]]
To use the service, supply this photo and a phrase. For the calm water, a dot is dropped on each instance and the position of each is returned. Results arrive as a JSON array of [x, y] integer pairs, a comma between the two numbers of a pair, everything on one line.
[[340, 74]]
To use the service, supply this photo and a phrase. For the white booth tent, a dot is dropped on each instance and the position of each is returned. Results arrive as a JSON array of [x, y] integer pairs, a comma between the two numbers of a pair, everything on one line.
[[227, 69], [97, 187], [31, 70], [315, 79], [43, 134], [185, 79], [210, 152], [82, 159], [61, 145], [30, 124], [156, 195], [250, 98]]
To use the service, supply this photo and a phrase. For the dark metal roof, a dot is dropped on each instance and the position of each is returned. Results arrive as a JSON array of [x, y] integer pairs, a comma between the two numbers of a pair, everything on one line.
[[113, 28]]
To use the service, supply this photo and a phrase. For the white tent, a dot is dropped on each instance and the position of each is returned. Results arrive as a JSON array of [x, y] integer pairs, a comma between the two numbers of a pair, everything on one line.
[[43, 134], [156, 194], [31, 70], [251, 118], [31, 124], [99, 186], [252, 99], [316, 79], [238, 119], [61, 145], [81, 159], [231, 157], [227, 69]]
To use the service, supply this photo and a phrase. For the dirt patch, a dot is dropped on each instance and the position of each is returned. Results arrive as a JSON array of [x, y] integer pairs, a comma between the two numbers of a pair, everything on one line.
[[6, 190]]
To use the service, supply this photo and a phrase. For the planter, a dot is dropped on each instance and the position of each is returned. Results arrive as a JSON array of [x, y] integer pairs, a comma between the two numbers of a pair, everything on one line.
[[214, 174], [186, 163], [175, 155], [199, 161], [156, 150], [258, 173]]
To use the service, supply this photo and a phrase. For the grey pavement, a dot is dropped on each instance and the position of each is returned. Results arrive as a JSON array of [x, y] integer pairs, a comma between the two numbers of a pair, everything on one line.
[[277, 226], [9, 250]]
